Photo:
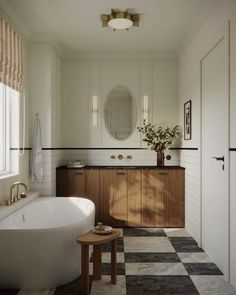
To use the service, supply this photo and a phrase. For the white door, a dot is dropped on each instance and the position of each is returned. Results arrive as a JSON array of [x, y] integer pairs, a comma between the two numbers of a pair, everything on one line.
[[215, 155]]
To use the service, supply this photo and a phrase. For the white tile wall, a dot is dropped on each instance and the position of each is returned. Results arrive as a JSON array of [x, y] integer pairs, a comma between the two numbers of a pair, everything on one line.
[[51, 160], [102, 157], [190, 159], [55, 158]]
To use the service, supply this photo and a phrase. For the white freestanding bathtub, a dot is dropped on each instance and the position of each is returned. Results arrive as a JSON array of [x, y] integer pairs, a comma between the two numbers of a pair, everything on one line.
[[38, 247]]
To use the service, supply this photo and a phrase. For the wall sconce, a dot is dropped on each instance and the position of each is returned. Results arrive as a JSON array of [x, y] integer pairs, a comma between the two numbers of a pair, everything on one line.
[[145, 107], [95, 110]]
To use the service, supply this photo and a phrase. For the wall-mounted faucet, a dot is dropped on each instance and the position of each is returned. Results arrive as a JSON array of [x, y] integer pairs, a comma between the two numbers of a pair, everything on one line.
[[15, 198], [120, 157]]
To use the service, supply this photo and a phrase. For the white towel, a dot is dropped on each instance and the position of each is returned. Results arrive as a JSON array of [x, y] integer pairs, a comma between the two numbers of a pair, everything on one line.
[[36, 154]]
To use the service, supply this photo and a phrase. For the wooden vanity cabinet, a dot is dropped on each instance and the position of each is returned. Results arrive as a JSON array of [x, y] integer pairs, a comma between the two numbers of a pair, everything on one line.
[[175, 198], [140, 197], [106, 195], [154, 198], [118, 206], [81, 183], [77, 182], [134, 194], [92, 189], [62, 182], [113, 200]]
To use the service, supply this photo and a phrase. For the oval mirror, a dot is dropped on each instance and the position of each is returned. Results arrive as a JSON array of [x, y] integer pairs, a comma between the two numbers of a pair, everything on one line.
[[120, 113]]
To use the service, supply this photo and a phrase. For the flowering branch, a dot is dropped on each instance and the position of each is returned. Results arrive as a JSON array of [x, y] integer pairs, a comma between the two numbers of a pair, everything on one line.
[[159, 138]]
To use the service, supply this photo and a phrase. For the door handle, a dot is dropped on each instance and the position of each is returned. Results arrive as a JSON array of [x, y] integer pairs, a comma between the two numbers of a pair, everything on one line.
[[219, 158]]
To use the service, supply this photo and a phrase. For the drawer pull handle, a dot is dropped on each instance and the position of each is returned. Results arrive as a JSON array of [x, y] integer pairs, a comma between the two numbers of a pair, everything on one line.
[[162, 173], [120, 173], [79, 173]]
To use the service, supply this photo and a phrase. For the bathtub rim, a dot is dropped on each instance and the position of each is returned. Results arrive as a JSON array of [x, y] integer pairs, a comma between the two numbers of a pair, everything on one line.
[[40, 199]]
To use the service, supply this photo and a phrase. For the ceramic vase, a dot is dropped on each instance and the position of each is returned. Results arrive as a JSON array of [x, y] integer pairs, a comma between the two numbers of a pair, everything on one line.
[[160, 159]]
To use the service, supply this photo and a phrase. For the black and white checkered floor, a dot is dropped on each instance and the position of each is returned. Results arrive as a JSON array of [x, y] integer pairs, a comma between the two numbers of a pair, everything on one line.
[[155, 261]]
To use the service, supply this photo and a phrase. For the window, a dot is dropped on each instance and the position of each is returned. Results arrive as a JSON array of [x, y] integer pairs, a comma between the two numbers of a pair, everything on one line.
[[3, 141], [9, 130], [11, 72]]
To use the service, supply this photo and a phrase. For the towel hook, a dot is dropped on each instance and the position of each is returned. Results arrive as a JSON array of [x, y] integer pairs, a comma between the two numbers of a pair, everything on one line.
[[43, 115]]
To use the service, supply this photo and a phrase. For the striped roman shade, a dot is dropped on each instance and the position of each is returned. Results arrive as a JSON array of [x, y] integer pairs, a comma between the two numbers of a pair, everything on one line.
[[11, 69]]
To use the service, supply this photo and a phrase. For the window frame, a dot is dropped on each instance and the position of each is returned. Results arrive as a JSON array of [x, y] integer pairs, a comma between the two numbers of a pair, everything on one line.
[[8, 167]]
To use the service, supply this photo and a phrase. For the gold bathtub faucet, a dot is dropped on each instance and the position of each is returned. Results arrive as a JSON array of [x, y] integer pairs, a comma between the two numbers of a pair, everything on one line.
[[15, 198]]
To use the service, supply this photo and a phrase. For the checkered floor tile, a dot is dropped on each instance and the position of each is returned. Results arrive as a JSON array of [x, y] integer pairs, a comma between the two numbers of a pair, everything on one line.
[[154, 261]]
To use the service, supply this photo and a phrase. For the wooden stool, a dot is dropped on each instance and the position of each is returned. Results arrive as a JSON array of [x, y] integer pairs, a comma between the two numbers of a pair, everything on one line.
[[96, 240]]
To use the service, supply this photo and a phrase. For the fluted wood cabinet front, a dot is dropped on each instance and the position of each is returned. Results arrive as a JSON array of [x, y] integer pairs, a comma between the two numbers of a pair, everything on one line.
[[119, 201], [77, 182], [106, 196], [129, 197], [92, 189], [113, 197], [175, 199], [154, 198], [134, 194]]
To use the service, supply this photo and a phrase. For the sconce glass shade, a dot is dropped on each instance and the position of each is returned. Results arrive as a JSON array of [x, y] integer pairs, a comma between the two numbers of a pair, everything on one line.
[[120, 23], [145, 107], [95, 110]]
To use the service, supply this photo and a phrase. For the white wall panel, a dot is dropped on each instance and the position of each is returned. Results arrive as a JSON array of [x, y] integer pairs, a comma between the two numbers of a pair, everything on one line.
[[165, 93], [94, 89], [103, 157], [146, 88], [83, 79], [40, 89], [75, 104], [126, 73], [232, 218], [233, 79], [190, 160]]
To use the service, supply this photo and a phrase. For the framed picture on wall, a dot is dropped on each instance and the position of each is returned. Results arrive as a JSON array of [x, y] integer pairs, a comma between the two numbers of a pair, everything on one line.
[[188, 120]]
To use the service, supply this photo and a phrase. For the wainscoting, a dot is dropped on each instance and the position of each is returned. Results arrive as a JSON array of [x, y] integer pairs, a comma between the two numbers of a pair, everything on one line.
[[54, 158], [190, 159]]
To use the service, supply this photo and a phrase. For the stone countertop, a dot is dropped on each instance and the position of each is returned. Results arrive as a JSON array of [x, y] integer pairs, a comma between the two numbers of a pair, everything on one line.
[[124, 167]]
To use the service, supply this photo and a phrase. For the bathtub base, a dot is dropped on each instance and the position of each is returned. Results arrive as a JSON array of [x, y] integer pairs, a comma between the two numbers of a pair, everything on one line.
[[41, 258]]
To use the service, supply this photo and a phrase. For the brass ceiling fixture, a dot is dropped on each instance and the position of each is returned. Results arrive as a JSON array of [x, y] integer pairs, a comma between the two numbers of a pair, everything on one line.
[[120, 20]]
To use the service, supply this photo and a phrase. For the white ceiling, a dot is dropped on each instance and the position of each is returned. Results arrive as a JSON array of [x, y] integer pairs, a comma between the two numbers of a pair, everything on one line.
[[76, 28]]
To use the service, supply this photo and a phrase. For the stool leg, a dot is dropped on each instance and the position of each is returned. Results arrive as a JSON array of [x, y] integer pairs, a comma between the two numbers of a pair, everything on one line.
[[85, 269], [113, 261], [97, 262]]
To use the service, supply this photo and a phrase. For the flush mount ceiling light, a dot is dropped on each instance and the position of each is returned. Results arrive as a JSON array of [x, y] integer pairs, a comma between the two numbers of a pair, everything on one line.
[[120, 20]]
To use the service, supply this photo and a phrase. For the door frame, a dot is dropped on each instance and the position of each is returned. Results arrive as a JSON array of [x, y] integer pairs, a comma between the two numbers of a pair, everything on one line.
[[226, 36]]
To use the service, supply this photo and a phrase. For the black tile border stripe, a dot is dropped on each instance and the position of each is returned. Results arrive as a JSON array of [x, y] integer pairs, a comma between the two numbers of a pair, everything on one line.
[[232, 149], [76, 148], [21, 149], [185, 148], [81, 149]]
